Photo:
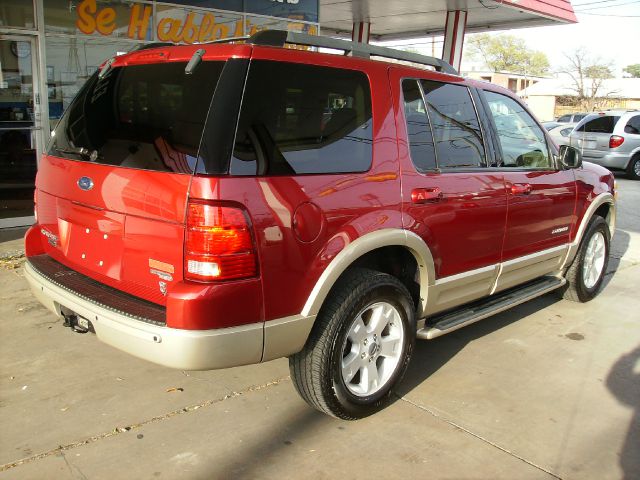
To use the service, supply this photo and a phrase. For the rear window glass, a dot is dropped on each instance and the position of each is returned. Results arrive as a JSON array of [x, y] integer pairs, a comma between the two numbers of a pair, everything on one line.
[[303, 119], [455, 125], [603, 124], [144, 116]]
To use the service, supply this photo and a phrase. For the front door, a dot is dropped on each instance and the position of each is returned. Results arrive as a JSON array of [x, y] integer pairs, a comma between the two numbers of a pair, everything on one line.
[[20, 129], [540, 196]]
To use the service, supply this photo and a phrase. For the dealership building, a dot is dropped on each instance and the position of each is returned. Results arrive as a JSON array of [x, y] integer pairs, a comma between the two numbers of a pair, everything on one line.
[[49, 48]]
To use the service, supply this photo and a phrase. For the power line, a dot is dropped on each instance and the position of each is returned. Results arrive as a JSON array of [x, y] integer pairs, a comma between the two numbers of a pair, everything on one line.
[[608, 15], [593, 3], [608, 6]]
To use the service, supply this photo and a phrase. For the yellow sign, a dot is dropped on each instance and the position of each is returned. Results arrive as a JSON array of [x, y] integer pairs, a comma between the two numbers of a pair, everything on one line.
[[193, 28]]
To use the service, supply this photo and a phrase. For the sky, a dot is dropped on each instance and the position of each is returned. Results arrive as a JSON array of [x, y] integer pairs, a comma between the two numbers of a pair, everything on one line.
[[609, 29]]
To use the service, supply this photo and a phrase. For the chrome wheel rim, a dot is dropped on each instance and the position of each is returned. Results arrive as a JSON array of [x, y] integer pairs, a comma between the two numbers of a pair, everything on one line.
[[636, 168], [594, 257], [373, 349]]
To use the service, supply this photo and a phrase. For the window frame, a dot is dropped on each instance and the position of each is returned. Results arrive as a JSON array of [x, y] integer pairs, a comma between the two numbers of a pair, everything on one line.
[[483, 133], [498, 162], [406, 124]]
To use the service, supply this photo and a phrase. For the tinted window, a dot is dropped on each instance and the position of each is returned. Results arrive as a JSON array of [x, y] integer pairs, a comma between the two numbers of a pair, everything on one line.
[[522, 140], [603, 124], [303, 119], [455, 125], [577, 118], [144, 116], [418, 130], [633, 125], [565, 118]]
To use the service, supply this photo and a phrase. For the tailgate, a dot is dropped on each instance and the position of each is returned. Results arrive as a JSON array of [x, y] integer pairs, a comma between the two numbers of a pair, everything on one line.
[[112, 190], [127, 231]]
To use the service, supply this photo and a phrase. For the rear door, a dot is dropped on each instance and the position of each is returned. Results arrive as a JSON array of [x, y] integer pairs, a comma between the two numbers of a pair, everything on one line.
[[450, 198], [541, 197], [112, 189]]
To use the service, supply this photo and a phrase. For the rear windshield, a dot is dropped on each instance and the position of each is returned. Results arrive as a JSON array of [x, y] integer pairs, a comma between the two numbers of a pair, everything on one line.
[[602, 124], [144, 116]]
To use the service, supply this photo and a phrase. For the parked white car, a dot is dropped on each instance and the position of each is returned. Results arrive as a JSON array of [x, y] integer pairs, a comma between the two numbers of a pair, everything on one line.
[[560, 134]]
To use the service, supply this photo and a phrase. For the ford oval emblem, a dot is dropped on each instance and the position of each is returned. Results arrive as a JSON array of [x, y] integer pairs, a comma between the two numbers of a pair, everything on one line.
[[85, 183]]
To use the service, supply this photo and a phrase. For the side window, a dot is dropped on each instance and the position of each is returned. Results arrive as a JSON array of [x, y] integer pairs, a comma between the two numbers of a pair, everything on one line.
[[522, 140], [601, 124], [565, 118], [633, 125], [455, 125], [419, 134], [298, 119]]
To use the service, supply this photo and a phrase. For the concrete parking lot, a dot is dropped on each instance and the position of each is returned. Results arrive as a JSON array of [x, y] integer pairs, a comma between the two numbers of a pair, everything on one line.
[[550, 389]]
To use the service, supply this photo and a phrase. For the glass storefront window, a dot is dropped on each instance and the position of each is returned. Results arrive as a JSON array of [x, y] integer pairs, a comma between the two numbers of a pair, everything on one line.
[[17, 141], [17, 14], [188, 25], [70, 62], [99, 18], [255, 24], [306, 10]]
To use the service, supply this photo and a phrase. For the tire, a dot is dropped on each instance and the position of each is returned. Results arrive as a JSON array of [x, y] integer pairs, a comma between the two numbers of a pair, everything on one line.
[[584, 283], [633, 169], [361, 298]]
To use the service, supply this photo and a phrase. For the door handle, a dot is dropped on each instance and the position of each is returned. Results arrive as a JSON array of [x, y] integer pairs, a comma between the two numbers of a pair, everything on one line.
[[426, 195], [521, 189]]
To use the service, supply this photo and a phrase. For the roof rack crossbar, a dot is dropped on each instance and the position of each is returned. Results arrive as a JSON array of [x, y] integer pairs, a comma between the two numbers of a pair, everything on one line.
[[278, 38]]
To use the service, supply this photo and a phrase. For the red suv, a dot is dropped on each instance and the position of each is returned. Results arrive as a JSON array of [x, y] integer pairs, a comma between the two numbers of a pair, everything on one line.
[[216, 205]]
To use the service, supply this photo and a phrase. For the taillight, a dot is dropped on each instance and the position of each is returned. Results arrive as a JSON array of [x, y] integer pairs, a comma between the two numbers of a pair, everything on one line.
[[615, 141], [218, 243]]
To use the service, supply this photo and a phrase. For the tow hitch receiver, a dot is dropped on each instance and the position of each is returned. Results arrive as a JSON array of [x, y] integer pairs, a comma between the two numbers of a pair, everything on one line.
[[77, 324]]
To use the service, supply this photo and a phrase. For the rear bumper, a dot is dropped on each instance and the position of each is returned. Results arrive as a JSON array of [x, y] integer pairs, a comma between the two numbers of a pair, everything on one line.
[[615, 160], [176, 348]]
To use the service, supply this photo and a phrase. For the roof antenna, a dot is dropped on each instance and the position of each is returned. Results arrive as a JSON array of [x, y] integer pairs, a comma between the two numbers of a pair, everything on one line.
[[194, 62]]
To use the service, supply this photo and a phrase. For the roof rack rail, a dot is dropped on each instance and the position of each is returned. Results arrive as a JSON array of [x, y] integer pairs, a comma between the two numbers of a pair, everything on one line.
[[278, 38]]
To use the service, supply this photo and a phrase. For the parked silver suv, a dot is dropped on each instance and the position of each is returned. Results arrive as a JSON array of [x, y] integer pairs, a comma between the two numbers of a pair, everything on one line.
[[610, 139]]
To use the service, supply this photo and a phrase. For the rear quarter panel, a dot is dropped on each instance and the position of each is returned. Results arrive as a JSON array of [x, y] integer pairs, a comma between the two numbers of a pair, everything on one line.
[[349, 205]]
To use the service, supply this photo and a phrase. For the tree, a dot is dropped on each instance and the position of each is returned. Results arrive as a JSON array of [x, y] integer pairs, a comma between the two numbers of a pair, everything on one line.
[[633, 70], [588, 75], [506, 53]]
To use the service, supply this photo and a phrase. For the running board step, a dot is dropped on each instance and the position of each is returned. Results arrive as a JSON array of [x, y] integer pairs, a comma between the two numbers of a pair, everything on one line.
[[452, 321]]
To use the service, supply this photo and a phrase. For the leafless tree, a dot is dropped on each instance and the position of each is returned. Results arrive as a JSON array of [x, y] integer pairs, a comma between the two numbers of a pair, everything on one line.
[[588, 75]]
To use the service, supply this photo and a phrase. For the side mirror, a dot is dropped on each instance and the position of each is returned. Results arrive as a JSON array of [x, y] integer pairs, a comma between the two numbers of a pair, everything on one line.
[[570, 157]]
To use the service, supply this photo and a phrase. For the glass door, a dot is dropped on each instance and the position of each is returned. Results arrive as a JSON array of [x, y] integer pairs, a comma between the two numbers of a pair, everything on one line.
[[20, 129]]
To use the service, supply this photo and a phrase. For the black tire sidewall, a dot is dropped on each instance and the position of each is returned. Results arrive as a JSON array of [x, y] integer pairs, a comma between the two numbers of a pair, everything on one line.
[[584, 293], [630, 170], [363, 406]]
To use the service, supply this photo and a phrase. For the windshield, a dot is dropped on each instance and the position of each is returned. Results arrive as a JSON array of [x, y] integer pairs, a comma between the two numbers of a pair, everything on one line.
[[144, 116]]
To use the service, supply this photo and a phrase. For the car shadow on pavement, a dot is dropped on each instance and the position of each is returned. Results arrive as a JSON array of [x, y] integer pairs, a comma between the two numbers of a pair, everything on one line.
[[431, 355], [623, 382], [281, 446], [619, 246]]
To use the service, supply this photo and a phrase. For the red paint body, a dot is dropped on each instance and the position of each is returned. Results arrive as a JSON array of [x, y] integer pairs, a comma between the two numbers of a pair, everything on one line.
[[300, 223]]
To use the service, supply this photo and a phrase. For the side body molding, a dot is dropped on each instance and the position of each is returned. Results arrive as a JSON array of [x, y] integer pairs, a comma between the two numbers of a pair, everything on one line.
[[367, 243], [596, 203]]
